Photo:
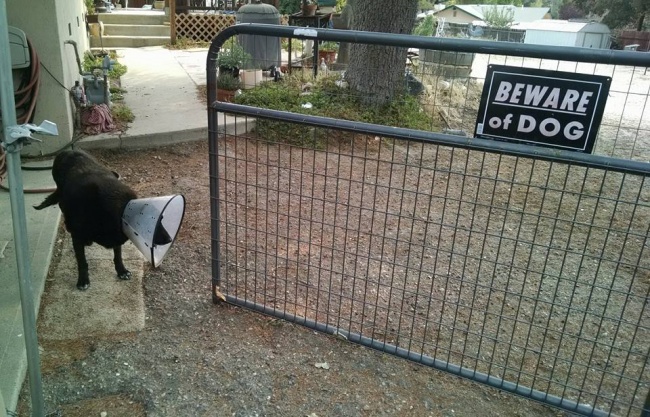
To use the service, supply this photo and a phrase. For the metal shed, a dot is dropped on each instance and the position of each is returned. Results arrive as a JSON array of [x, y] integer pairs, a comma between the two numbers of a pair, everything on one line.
[[566, 33]]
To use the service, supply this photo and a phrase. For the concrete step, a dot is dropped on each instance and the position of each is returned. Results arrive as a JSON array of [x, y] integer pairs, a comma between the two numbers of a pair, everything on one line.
[[136, 30], [129, 41], [136, 18]]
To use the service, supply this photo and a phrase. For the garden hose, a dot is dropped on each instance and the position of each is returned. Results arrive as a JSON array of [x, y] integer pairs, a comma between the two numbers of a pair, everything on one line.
[[25, 98]]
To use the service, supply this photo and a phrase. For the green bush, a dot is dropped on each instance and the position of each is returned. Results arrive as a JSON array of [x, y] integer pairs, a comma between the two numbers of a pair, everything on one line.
[[289, 6], [91, 62], [427, 27], [117, 94], [329, 100], [233, 55], [228, 82], [122, 113]]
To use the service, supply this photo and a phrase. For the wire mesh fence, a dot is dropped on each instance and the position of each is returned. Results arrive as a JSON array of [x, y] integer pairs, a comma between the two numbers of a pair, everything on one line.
[[454, 95], [523, 269]]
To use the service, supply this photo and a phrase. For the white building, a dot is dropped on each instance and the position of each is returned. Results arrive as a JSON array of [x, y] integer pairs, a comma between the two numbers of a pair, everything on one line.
[[566, 33]]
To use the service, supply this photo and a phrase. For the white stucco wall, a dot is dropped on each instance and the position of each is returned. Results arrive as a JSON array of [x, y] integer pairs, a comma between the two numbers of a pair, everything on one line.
[[48, 24]]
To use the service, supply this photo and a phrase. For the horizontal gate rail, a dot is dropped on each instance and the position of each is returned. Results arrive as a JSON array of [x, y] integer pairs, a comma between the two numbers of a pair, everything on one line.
[[505, 148], [596, 56], [423, 359], [242, 186]]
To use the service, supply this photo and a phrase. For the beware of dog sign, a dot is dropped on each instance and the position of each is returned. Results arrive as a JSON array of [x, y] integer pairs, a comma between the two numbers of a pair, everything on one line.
[[541, 107]]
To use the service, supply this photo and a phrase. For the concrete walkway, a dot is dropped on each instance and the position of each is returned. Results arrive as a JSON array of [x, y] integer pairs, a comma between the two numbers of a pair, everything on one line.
[[161, 91]]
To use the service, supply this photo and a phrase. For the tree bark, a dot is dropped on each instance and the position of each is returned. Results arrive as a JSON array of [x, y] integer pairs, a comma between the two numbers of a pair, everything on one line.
[[377, 72], [639, 22]]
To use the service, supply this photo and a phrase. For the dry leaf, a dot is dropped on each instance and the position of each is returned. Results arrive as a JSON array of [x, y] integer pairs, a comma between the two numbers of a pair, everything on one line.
[[219, 295]]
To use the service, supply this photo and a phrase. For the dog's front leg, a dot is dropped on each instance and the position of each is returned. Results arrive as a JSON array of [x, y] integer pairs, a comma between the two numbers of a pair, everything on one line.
[[122, 272], [83, 282]]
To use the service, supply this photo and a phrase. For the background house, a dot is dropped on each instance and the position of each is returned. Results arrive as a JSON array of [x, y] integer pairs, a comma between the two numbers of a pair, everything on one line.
[[48, 24], [471, 13], [567, 33]]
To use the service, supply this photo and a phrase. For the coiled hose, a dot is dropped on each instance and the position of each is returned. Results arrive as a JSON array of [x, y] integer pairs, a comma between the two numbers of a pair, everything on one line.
[[25, 97]]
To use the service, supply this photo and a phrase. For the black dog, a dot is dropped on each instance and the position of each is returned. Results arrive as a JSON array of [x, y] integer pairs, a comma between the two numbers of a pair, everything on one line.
[[92, 200]]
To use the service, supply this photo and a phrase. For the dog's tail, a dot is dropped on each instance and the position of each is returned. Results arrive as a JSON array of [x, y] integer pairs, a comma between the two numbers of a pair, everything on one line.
[[50, 200]]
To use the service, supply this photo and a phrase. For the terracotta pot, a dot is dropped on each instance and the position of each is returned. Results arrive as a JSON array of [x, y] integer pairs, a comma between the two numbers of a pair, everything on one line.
[[309, 9], [330, 56], [225, 95]]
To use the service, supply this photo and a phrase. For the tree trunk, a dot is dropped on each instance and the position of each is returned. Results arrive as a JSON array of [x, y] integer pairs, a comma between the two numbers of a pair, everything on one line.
[[344, 22], [639, 22], [377, 72]]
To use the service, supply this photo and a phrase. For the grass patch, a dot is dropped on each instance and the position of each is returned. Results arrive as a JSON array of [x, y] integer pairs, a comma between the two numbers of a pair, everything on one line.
[[117, 94], [186, 43], [329, 100], [122, 114]]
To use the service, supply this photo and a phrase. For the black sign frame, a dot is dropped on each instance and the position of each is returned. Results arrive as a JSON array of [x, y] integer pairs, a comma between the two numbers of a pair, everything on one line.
[[542, 107]]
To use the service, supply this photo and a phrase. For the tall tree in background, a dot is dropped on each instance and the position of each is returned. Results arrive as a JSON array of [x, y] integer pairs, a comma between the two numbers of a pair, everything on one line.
[[498, 18], [425, 5], [618, 13], [499, 2], [377, 72], [570, 11]]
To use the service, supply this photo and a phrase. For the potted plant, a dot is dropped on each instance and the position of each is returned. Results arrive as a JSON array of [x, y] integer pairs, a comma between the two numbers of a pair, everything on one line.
[[91, 12], [327, 51], [309, 7], [227, 86], [232, 59]]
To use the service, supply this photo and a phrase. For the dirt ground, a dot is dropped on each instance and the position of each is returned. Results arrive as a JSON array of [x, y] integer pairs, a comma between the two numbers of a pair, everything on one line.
[[479, 260], [195, 358], [346, 238]]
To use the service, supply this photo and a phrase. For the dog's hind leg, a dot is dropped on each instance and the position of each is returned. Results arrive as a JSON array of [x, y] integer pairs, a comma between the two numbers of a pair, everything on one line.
[[122, 272], [83, 282]]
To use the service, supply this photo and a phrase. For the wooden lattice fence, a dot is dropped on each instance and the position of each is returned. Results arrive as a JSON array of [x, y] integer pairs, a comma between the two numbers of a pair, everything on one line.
[[204, 27]]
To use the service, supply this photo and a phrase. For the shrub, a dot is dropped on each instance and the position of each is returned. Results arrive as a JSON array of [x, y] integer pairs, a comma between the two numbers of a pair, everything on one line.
[[122, 113], [91, 62], [329, 100], [228, 82], [427, 27]]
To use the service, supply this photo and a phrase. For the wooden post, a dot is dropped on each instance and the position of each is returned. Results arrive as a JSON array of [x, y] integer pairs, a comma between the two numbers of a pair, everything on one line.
[[172, 21]]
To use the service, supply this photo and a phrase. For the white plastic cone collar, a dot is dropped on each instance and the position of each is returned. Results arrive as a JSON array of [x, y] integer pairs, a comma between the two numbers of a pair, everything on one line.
[[152, 224]]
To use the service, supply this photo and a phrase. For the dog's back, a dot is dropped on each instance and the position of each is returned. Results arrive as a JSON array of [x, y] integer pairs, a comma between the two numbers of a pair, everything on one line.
[[91, 198]]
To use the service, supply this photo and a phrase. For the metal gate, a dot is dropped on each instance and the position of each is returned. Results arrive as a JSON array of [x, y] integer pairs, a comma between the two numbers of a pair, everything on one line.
[[522, 267]]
